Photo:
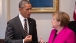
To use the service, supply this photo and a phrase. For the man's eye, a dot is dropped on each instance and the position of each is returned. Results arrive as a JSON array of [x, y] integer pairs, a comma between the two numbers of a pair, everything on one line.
[[28, 9]]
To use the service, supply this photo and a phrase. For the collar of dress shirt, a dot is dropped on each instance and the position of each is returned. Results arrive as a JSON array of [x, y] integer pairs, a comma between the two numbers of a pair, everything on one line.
[[21, 17], [22, 21]]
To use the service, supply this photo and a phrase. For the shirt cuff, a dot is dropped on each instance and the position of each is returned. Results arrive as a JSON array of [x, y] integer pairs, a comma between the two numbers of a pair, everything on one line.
[[23, 40]]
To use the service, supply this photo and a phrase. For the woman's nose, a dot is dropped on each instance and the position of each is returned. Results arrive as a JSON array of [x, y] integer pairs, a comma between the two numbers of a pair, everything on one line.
[[51, 20]]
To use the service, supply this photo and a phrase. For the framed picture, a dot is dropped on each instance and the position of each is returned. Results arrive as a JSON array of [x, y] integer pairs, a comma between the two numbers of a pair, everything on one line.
[[44, 5]]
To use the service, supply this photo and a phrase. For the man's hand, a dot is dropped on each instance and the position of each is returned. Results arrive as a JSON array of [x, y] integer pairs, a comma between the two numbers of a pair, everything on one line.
[[28, 38]]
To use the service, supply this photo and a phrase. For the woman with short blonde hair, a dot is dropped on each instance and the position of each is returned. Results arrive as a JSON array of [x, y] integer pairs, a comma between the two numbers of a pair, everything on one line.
[[61, 33]]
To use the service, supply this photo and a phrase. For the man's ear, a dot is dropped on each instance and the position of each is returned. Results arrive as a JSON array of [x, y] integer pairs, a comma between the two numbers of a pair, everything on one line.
[[19, 9]]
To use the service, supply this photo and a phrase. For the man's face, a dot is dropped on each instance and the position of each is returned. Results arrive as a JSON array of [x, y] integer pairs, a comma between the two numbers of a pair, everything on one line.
[[26, 10]]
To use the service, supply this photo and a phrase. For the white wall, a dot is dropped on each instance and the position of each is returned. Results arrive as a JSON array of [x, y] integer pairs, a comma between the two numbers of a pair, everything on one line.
[[67, 6], [0, 13], [43, 20], [3, 18], [0, 7]]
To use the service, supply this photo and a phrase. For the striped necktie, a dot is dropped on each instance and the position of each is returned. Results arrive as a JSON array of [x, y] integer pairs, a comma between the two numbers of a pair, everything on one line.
[[25, 27]]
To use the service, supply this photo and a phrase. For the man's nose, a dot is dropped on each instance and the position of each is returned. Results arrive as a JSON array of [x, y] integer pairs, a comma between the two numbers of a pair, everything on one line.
[[30, 10]]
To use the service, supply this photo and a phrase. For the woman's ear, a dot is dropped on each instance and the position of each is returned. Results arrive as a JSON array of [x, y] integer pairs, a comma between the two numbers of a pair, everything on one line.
[[59, 23]]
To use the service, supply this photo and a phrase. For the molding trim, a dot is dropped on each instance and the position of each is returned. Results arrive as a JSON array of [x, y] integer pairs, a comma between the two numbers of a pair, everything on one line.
[[2, 41], [8, 10]]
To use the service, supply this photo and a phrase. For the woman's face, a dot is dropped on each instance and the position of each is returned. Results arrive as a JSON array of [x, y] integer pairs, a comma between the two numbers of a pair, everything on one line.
[[54, 21]]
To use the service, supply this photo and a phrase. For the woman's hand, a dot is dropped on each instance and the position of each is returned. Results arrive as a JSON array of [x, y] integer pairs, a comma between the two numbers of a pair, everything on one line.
[[41, 41]]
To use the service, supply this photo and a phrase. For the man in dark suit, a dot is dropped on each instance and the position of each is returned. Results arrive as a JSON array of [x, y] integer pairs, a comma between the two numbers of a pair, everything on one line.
[[16, 28]]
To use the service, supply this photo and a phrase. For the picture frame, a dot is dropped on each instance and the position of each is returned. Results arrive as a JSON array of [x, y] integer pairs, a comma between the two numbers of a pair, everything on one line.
[[38, 8]]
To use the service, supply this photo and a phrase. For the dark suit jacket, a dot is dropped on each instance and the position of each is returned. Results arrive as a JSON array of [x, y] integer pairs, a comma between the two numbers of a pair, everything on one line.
[[72, 26], [15, 33]]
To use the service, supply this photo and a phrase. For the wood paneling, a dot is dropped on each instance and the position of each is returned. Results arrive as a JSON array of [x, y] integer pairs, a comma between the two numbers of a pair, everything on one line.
[[1, 40]]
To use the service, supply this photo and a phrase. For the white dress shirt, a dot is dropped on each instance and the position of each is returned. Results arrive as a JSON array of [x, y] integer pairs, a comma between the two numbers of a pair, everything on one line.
[[22, 19]]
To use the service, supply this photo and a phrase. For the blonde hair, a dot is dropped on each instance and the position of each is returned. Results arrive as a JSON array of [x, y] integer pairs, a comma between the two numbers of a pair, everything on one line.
[[62, 17]]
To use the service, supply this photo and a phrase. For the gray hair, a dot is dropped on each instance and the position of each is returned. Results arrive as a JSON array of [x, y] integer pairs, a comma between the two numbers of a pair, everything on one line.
[[22, 2]]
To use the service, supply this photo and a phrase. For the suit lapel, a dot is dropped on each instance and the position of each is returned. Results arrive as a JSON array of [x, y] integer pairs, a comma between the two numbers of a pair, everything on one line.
[[30, 26], [61, 33], [18, 23]]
